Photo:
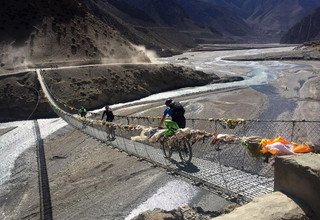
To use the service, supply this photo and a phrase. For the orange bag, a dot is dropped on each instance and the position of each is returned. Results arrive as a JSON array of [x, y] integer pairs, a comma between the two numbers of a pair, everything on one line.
[[282, 147]]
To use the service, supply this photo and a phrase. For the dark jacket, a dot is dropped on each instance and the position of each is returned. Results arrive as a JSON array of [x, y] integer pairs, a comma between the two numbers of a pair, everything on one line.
[[109, 115]]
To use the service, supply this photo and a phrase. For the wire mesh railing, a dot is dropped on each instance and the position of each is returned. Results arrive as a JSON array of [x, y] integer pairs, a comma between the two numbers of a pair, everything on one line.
[[298, 131], [227, 167]]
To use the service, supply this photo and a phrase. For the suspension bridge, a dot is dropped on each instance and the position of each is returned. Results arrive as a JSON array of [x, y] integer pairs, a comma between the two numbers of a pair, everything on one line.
[[227, 168]]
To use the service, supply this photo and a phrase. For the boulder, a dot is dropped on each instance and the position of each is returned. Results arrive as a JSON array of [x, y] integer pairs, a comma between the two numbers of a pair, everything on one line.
[[157, 214], [299, 175], [181, 213], [274, 206]]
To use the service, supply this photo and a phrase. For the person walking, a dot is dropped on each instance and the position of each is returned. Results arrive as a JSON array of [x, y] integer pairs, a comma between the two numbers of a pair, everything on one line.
[[108, 113], [176, 111], [110, 129]]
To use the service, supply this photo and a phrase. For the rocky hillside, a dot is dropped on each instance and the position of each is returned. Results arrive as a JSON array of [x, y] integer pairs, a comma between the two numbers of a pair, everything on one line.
[[268, 19], [272, 18], [43, 31], [308, 29], [253, 21], [163, 26], [216, 17]]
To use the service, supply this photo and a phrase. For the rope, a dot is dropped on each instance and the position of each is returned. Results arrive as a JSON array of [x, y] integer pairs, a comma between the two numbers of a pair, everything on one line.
[[36, 106]]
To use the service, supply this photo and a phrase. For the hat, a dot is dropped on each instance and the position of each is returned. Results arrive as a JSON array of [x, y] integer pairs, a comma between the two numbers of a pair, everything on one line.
[[168, 102]]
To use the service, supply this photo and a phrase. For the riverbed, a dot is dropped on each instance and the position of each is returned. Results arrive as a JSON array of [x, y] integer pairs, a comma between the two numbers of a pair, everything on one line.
[[270, 90]]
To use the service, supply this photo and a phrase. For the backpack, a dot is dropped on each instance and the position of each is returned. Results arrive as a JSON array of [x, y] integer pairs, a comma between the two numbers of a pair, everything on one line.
[[177, 110]]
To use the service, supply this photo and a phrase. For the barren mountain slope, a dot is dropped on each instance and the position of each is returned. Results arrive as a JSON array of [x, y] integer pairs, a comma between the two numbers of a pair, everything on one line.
[[308, 29], [268, 19], [163, 26], [40, 31], [272, 18]]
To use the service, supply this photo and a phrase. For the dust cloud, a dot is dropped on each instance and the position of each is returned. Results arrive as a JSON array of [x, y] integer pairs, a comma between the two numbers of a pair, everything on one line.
[[14, 57], [152, 55], [137, 54]]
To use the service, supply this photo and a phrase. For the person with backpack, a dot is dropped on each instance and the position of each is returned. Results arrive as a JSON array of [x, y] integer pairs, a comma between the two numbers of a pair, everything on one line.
[[108, 113], [82, 112], [176, 111]]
